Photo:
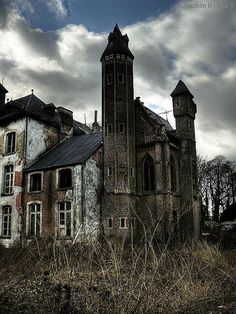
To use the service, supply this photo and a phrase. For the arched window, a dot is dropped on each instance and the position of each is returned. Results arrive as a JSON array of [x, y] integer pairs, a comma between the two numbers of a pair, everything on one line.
[[65, 179], [148, 174], [172, 174]]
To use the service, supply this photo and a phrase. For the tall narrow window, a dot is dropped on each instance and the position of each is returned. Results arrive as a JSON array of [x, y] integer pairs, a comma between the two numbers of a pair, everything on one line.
[[109, 79], [6, 221], [64, 219], [8, 179], [123, 223], [120, 78], [172, 174], [10, 143], [35, 182], [109, 171], [34, 220], [148, 174], [109, 223], [64, 179]]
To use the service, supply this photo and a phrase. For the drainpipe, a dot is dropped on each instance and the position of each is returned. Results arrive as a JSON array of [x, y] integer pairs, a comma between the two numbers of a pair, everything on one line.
[[82, 197]]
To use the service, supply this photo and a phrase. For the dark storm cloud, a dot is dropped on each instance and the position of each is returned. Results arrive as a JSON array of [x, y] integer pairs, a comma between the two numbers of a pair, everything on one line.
[[4, 12]]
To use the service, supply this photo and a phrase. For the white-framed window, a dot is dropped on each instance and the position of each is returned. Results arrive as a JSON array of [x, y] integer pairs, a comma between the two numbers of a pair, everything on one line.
[[123, 223], [64, 219], [35, 182], [65, 178], [120, 78], [109, 171], [34, 210], [109, 223], [6, 221], [10, 143], [8, 179]]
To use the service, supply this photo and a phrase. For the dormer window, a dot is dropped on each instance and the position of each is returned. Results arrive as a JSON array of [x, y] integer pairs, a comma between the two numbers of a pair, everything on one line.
[[10, 143], [65, 179]]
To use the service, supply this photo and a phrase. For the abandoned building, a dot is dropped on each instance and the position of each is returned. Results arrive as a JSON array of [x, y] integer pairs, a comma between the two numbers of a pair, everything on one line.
[[136, 177]]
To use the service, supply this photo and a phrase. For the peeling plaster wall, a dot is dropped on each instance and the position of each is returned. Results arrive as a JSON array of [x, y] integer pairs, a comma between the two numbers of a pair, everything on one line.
[[39, 138], [17, 160]]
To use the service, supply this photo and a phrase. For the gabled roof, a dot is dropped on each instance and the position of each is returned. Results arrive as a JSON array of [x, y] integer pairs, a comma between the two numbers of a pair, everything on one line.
[[117, 43], [181, 88], [71, 151]]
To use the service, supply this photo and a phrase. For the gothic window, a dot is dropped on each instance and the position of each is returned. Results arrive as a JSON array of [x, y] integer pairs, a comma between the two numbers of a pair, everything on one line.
[[109, 79], [8, 179], [10, 143], [35, 182], [120, 78], [34, 220], [148, 174], [109, 223], [123, 223], [6, 221], [64, 179], [172, 174], [64, 219]]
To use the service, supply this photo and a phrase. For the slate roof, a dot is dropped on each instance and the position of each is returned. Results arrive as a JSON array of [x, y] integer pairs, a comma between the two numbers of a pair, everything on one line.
[[71, 151], [117, 43], [181, 88], [158, 119]]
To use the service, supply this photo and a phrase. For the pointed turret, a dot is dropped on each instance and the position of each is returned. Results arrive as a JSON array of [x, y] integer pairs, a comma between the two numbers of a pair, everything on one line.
[[180, 88], [3, 92], [117, 44]]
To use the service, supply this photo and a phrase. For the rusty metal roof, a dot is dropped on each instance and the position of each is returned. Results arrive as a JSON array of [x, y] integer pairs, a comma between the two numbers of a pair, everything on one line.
[[71, 151]]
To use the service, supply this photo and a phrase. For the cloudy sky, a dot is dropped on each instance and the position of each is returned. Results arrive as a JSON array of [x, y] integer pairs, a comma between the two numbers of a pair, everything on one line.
[[54, 47]]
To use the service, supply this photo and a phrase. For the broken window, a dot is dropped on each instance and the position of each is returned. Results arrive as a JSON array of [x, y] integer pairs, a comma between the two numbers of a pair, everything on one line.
[[123, 223], [10, 143], [172, 174], [8, 179], [34, 219], [149, 174], [6, 221], [35, 182], [64, 219], [109, 223], [65, 179]]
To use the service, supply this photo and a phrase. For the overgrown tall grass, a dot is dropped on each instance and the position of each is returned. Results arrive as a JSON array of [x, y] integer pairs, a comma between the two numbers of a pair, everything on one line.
[[112, 278]]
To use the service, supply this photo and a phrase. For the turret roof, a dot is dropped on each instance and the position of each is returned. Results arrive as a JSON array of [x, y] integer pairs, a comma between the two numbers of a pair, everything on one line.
[[117, 43], [181, 88], [2, 88]]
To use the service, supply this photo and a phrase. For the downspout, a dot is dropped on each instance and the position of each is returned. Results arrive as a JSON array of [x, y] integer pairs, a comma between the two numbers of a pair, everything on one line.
[[82, 196]]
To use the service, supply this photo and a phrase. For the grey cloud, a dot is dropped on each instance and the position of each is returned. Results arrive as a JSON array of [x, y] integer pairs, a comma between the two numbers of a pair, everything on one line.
[[4, 13]]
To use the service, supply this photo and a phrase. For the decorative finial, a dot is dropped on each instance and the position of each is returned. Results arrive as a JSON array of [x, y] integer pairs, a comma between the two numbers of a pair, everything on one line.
[[32, 91]]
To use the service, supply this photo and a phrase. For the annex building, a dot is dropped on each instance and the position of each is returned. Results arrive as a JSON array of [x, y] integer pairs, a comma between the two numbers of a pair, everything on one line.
[[134, 177]]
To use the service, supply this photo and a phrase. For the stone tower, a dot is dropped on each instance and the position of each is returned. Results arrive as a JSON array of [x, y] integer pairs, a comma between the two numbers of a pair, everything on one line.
[[118, 120], [3, 92], [184, 112]]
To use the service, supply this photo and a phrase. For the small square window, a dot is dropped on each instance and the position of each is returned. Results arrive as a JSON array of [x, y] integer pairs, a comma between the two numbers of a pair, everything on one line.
[[123, 223], [109, 79], [110, 223], [122, 56], [109, 171], [120, 78], [109, 128]]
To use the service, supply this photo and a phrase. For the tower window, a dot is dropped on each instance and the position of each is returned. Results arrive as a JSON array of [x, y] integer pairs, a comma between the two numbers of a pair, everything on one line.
[[8, 179], [121, 128], [132, 172], [172, 174], [148, 174], [109, 128], [6, 221], [109, 171], [109, 79], [120, 78], [123, 223], [64, 179], [10, 143], [109, 223], [35, 182]]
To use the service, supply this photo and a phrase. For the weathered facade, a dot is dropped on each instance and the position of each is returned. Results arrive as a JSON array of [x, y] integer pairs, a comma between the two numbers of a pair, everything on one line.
[[135, 180]]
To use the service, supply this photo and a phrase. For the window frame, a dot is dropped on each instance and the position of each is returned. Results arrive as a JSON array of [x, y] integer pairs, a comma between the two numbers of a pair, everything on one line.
[[109, 171], [125, 223], [151, 186], [64, 187], [8, 221], [173, 175], [37, 223], [30, 175], [108, 224], [64, 208], [12, 149], [8, 183], [109, 128]]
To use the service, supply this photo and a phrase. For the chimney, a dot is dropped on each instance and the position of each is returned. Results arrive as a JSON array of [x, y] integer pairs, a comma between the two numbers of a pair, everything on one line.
[[65, 120], [95, 125], [3, 92]]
